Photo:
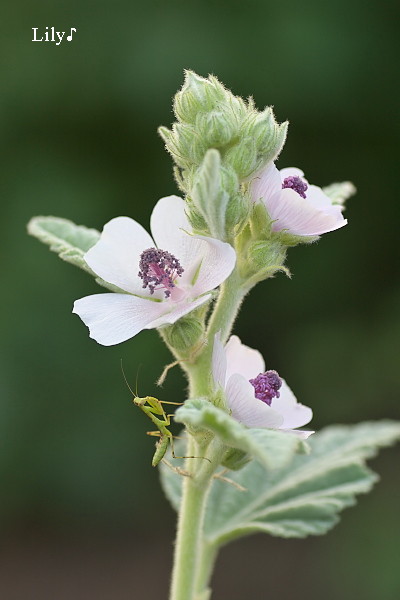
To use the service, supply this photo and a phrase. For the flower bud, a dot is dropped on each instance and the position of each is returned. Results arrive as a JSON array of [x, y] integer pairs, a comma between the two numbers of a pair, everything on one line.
[[208, 196], [235, 459], [216, 128], [184, 334], [197, 221], [229, 179], [196, 96], [266, 255], [268, 136], [172, 147], [236, 214], [189, 144], [243, 158]]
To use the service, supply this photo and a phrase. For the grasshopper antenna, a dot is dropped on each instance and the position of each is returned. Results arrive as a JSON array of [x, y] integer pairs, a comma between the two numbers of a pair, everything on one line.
[[126, 381]]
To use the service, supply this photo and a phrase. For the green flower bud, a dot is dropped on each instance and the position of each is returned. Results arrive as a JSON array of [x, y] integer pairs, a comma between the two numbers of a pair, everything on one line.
[[184, 334], [172, 147], [189, 143], [236, 214], [217, 128], [197, 95], [243, 158], [208, 196], [235, 459], [260, 222], [229, 179], [268, 136], [196, 220], [266, 254]]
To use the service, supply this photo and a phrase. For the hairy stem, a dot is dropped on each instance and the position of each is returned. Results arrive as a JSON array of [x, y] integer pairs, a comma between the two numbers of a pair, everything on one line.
[[227, 306], [206, 566], [188, 544], [193, 563]]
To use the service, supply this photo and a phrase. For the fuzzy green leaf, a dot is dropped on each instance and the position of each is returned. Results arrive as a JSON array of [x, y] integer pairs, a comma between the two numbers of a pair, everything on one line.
[[208, 196], [69, 241], [303, 498], [273, 449]]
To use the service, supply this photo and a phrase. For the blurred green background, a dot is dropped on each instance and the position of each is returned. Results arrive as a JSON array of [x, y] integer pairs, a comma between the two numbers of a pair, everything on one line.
[[81, 511]]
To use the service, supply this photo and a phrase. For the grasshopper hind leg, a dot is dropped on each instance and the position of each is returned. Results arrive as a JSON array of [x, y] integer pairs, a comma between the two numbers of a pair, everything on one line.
[[174, 455]]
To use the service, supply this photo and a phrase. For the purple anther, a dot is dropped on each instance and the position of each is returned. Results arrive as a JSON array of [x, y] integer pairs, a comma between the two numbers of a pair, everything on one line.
[[159, 270], [266, 386], [295, 183]]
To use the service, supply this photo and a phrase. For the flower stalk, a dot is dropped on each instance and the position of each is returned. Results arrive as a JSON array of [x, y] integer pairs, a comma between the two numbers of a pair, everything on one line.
[[188, 556], [193, 563]]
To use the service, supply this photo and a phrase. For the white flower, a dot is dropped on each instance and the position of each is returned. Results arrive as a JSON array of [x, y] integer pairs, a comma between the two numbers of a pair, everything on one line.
[[255, 397], [164, 279], [293, 204]]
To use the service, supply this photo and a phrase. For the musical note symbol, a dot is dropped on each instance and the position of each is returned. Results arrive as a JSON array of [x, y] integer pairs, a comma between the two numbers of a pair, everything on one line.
[[69, 37]]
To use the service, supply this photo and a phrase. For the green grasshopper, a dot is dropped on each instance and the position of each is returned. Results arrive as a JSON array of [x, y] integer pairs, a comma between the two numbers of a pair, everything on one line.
[[153, 408]]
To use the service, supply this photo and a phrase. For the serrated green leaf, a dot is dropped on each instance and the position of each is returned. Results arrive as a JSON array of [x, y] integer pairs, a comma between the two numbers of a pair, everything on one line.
[[273, 449], [305, 497], [69, 241]]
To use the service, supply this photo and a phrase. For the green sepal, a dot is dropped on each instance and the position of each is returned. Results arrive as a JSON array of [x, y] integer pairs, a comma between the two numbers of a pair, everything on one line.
[[185, 334], [261, 229], [265, 258], [69, 241], [273, 449], [290, 240]]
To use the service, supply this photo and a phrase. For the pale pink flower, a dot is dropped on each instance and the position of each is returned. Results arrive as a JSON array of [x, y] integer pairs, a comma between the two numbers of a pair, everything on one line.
[[164, 279], [255, 397], [293, 204]]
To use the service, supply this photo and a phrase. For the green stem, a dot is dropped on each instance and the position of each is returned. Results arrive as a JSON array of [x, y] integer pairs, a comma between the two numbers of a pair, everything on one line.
[[206, 566], [193, 560], [190, 523], [230, 298]]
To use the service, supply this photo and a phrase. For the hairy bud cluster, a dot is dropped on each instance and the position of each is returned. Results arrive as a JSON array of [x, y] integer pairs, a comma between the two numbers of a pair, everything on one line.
[[210, 116], [219, 139]]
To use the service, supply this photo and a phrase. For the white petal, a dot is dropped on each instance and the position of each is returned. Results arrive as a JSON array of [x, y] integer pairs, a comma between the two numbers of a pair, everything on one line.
[[174, 311], [169, 226], [246, 408], [318, 199], [293, 413], [292, 172], [300, 217], [114, 318], [217, 263], [219, 362], [303, 434], [243, 360], [266, 185], [115, 257]]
